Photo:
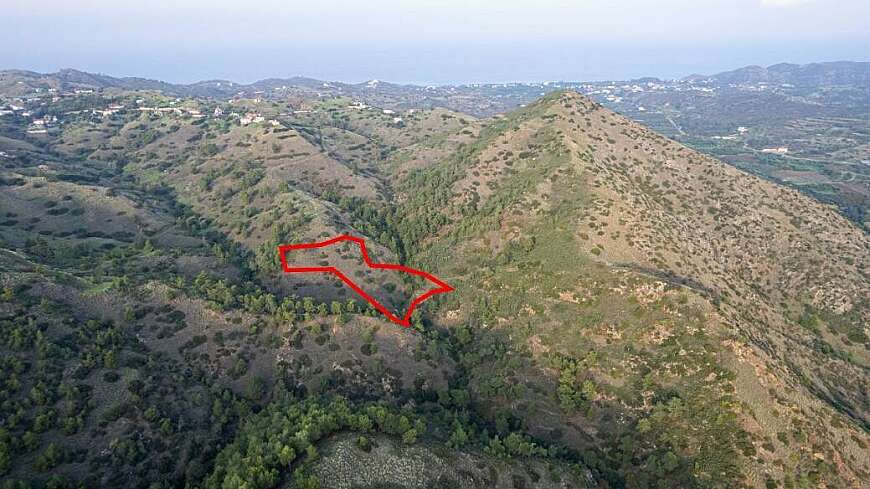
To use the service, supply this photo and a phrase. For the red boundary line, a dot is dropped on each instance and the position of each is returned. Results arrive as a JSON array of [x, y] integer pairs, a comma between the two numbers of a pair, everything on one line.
[[406, 321]]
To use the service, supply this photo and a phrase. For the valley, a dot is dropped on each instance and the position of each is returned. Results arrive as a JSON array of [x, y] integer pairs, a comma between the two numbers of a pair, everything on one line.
[[628, 311]]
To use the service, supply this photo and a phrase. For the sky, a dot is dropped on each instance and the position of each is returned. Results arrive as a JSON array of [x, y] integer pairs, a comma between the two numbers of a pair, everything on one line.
[[426, 41]]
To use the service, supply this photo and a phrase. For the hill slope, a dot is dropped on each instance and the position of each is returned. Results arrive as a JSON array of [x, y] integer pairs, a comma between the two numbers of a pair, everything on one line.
[[813, 74], [620, 273]]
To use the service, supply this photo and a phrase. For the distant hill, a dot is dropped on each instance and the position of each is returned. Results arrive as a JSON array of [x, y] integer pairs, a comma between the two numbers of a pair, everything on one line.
[[478, 99], [813, 74], [19, 82], [12, 81]]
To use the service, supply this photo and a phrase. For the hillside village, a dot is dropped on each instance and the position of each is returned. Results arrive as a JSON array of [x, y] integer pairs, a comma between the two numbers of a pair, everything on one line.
[[45, 111]]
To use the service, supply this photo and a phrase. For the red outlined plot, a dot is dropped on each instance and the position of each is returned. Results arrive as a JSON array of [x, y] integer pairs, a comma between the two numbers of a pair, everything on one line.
[[405, 321]]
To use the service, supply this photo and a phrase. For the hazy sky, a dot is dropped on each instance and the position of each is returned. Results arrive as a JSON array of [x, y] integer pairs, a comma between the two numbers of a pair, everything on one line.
[[426, 41]]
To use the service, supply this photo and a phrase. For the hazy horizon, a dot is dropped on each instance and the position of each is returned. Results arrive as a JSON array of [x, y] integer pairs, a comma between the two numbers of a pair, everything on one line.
[[429, 42], [583, 69]]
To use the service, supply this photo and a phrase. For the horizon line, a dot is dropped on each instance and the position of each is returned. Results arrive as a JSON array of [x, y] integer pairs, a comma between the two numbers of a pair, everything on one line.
[[414, 84]]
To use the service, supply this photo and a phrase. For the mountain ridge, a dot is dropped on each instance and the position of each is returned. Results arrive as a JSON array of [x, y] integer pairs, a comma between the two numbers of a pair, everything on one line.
[[812, 74], [819, 73], [631, 186]]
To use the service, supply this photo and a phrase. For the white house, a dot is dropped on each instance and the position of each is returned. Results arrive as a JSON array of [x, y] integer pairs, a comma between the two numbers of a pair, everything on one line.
[[251, 117]]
